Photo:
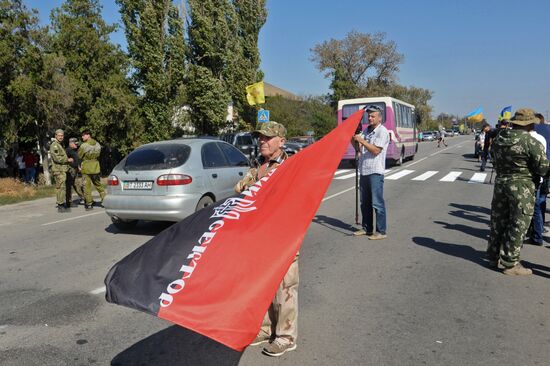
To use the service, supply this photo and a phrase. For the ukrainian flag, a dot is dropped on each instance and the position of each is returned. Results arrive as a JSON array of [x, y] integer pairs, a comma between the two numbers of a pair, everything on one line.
[[506, 113], [255, 93], [475, 115]]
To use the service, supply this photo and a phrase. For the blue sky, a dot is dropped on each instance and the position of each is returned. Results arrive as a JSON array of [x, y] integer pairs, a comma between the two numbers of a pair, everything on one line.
[[470, 53]]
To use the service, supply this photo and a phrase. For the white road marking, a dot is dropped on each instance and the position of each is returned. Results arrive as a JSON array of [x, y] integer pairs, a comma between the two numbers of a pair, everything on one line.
[[346, 176], [401, 174], [342, 171], [478, 178], [451, 177], [424, 176], [72, 218], [337, 194], [98, 290]]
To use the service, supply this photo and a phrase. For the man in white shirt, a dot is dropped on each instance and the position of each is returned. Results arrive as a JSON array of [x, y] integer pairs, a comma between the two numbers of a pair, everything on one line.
[[372, 145], [536, 228]]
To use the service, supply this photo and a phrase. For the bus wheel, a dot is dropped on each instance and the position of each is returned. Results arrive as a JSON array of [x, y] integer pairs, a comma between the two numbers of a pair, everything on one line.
[[399, 161]]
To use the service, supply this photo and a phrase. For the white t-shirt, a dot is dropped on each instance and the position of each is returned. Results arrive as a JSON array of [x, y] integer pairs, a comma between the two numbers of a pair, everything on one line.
[[540, 139], [370, 163]]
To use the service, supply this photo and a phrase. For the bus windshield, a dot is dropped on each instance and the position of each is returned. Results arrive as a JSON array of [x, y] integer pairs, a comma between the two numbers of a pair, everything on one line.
[[349, 109]]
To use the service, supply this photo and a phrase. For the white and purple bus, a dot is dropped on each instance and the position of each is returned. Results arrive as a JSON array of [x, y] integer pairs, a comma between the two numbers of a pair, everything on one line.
[[397, 116]]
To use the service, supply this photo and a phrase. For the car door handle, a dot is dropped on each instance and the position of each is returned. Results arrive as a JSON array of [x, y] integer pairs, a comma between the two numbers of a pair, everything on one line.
[[214, 175]]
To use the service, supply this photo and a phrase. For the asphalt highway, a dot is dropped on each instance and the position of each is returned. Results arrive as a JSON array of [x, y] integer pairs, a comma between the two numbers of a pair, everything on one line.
[[423, 296]]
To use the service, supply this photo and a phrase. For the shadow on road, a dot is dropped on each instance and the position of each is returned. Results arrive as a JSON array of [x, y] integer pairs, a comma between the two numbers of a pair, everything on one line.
[[470, 230], [334, 224], [456, 250], [537, 269], [177, 346], [148, 228], [472, 217], [472, 208]]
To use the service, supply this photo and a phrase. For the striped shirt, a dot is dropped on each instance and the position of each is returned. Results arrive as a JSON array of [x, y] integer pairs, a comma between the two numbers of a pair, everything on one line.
[[368, 162]]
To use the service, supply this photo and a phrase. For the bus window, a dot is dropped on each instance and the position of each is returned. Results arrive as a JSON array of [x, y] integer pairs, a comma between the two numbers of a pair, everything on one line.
[[349, 109]]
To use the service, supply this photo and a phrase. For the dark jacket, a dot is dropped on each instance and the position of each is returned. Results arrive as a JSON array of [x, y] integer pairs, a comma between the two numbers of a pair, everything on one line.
[[73, 154]]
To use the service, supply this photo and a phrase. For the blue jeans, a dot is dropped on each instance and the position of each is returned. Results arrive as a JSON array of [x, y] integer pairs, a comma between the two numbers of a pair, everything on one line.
[[371, 188], [537, 222]]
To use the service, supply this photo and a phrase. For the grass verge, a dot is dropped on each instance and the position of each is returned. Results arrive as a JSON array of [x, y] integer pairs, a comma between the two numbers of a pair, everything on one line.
[[13, 191]]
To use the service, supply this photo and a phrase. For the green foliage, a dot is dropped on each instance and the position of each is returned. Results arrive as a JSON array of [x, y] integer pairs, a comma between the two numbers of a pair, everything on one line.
[[208, 100], [156, 48], [300, 116], [223, 37], [103, 100]]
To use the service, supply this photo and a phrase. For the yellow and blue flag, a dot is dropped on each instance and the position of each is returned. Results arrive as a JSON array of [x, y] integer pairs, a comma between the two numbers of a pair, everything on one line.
[[506, 113], [255, 93], [476, 115]]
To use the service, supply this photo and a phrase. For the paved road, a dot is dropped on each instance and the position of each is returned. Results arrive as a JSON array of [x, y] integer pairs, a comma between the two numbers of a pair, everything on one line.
[[423, 296]]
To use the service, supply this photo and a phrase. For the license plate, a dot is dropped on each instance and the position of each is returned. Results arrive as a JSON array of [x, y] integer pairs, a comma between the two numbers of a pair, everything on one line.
[[137, 185]]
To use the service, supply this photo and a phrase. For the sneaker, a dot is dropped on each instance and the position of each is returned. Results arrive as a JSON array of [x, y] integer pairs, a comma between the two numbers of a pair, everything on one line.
[[517, 270], [278, 348], [377, 236], [260, 339]]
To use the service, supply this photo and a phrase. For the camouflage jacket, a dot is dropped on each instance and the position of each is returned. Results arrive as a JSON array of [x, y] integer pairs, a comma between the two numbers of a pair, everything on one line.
[[252, 175], [60, 162], [88, 153], [518, 156]]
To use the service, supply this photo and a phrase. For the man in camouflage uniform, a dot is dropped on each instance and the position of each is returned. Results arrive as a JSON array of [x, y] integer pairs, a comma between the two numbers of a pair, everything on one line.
[[88, 152], [60, 165], [74, 177], [280, 325], [519, 161]]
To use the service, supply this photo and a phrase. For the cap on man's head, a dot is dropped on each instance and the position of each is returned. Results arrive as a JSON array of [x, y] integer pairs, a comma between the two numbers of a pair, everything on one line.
[[59, 131], [86, 131], [270, 129], [524, 117], [373, 108], [73, 140]]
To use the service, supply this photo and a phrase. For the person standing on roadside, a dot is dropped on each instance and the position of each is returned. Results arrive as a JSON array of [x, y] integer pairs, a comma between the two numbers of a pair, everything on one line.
[[280, 325], [372, 144], [60, 165], [73, 181], [88, 152], [519, 161], [485, 143]]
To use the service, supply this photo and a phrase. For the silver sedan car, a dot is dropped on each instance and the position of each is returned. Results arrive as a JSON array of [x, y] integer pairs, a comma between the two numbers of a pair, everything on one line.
[[169, 180]]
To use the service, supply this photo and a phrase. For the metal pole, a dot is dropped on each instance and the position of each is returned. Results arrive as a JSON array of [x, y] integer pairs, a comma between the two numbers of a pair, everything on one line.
[[356, 187]]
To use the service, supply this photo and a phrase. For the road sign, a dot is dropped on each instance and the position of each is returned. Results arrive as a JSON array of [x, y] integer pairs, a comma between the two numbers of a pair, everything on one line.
[[263, 115]]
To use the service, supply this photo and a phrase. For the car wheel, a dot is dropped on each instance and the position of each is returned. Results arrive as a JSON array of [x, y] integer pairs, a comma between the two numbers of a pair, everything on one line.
[[123, 224], [204, 202]]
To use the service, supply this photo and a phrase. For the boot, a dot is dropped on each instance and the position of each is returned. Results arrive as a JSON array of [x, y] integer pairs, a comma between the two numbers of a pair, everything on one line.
[[517, 270], [89, 207], [63, 209]]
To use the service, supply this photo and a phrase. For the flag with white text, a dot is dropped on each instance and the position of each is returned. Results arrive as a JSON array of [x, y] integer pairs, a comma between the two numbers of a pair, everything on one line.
[[216, 271]]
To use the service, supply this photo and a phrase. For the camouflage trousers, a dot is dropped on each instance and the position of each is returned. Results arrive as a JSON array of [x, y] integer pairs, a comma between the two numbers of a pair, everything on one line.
[[76, 183], [281, 319], [511, 211], [60, 178], [89, 180]]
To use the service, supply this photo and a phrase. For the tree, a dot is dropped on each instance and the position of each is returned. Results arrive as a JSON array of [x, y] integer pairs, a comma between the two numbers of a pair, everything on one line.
[[419, 97], [35, 94], [223, 38], [156, 47], [103, 99], [358, 64], [251, 15]]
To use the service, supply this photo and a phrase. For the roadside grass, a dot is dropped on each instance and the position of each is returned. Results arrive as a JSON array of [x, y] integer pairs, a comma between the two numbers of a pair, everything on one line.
[[13, 191]]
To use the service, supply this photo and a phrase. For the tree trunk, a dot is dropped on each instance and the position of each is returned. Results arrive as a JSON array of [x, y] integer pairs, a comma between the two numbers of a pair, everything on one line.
[[45, 160]]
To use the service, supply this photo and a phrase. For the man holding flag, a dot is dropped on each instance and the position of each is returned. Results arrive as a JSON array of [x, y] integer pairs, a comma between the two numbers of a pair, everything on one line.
[[280, 325]]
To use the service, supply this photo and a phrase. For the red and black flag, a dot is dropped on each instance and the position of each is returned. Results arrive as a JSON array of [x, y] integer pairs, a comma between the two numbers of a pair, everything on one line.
[[216, 271]]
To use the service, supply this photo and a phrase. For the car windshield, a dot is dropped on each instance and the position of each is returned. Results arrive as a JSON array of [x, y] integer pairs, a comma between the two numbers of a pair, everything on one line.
[[244, 140], [156, 157]]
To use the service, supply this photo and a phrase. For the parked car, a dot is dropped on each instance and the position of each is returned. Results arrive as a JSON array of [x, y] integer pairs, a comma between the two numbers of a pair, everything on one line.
[[304, 140], [428, 136], [292, 148], [243, 141], [169, 180]]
